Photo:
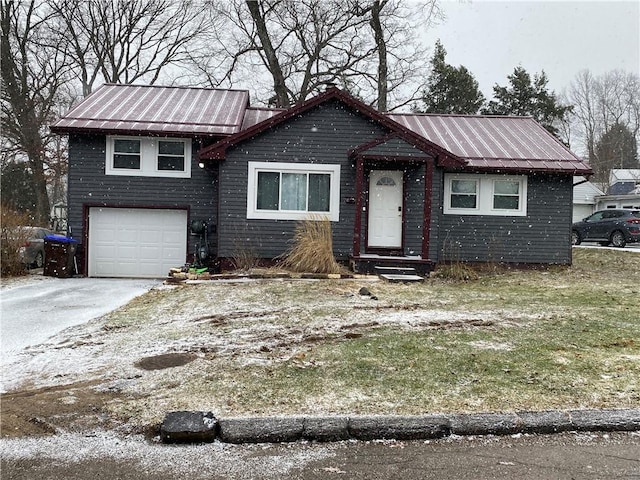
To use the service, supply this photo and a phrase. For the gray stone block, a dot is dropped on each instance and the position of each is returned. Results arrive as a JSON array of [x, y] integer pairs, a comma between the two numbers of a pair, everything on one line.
[[398, 428], [326, 429], [485, 424], [605, 420], [188, 427], [544, 422], [261, 430]]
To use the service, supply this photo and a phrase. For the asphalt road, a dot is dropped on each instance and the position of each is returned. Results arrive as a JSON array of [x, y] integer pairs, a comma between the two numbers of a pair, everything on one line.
[[526, 457], [39, 307]]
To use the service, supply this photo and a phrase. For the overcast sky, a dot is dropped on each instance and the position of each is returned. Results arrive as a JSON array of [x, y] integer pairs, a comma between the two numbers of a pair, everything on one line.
[[491, 38]]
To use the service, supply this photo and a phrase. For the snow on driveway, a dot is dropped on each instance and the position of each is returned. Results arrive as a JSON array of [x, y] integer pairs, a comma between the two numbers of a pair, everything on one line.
[[33, 311]]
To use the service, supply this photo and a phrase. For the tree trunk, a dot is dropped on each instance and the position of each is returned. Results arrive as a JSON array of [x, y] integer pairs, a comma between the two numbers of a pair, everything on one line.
[[279, 87], [381, 46], [18, 98]]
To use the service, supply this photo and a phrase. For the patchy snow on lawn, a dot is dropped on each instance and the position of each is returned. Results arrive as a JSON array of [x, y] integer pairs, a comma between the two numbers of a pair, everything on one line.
[[209, 326]]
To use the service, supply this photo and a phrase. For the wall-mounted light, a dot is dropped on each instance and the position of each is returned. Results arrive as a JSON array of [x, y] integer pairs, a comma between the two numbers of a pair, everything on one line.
[[201, 165]]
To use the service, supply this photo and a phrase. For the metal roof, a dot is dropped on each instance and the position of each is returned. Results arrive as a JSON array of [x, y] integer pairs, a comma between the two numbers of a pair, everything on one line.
[[495, 142], [158, 110], [254, 115], [482, 142]]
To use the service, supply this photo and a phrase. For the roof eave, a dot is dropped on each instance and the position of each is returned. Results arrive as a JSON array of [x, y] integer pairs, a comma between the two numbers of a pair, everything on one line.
[[62, 130]]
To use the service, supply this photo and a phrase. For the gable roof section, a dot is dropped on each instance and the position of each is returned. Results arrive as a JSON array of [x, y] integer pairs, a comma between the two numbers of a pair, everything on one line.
[[254, 115], [389, 145], [624, 175], [217, 151], [138, 109], [496, 142]]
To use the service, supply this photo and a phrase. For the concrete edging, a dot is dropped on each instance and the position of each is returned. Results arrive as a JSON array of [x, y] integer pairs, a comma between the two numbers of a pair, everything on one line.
[[196, 427]]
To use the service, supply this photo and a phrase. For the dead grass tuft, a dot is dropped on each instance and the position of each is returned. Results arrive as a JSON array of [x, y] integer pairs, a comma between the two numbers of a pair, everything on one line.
[[313, 248], [457, 272]]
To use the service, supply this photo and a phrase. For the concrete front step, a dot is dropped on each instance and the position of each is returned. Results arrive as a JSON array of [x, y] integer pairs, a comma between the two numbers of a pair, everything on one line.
[[398, 278], [394, 270], [398, 274]]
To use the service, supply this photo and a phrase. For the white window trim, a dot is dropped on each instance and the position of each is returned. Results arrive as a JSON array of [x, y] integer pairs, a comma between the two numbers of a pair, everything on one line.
[[252, 188], [148, 158], [484, 205]]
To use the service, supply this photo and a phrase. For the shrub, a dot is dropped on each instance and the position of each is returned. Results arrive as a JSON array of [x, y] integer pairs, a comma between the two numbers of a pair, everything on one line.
[[457, 272], [244, 257], [312, 249], [12, 237]]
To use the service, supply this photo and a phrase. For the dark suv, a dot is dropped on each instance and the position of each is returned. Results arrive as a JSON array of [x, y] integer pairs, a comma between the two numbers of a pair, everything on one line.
[[614, 226]]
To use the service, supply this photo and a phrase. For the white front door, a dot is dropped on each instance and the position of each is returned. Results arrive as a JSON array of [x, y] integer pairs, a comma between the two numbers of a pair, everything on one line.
[[385, 209]]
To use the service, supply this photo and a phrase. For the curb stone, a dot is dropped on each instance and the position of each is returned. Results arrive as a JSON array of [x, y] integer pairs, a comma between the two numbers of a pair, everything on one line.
[[189, 427], [326, 429], [261, 430], [399, 428], [606, 420], [199, 427]]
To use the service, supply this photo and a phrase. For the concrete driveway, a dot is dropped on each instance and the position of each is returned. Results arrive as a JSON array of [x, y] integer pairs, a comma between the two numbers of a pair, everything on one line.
[[36, 308]]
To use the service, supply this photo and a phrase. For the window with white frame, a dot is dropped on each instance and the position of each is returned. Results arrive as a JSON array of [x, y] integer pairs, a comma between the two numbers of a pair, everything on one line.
[[148, 157], [293, 191], [474, 194]]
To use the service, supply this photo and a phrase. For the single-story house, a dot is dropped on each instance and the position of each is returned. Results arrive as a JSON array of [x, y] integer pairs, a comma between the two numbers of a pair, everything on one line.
[[147, 161]]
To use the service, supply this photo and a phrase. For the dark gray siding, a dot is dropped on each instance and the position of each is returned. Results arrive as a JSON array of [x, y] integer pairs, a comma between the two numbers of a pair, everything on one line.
[[540, 237], [323, 135], [414, 208], [88, 185], [437, 190]]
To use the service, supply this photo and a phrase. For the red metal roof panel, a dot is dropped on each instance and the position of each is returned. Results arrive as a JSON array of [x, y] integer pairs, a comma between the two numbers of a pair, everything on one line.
[[497, 142], [255, 115], [151, 109]]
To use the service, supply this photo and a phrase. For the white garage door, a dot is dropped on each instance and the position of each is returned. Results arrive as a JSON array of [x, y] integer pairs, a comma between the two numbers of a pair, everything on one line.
[[135, 242]]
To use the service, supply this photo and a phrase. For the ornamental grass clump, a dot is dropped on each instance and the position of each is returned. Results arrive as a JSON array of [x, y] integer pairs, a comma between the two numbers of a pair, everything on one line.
[[312, 249]]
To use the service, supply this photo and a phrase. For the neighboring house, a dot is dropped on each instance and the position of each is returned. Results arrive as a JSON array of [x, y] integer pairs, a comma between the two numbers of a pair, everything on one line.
[[624, 181], [398, 188], [623, 192], [585, 195]]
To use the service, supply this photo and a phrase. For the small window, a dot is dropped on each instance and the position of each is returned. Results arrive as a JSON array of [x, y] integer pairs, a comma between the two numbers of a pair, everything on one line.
[[464, 193], [170, 155], [126, 154], [292, 191], [386, 182], [506, 195]]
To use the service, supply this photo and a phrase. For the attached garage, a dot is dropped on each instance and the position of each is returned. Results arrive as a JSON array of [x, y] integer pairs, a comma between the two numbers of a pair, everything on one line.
[[136, 242]]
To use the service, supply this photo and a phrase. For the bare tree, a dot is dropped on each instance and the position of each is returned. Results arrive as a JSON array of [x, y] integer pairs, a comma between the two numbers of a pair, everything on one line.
[[401, 65], [32, 79], [601, 104], [122, 41], [370, 48]]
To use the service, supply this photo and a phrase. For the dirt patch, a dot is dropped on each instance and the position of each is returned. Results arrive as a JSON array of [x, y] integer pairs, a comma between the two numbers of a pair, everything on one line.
[[167, 360], [46, 411]]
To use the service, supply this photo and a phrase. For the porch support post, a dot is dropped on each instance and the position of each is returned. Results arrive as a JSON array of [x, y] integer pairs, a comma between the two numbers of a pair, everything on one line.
[[428, 193], [357, 228]]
